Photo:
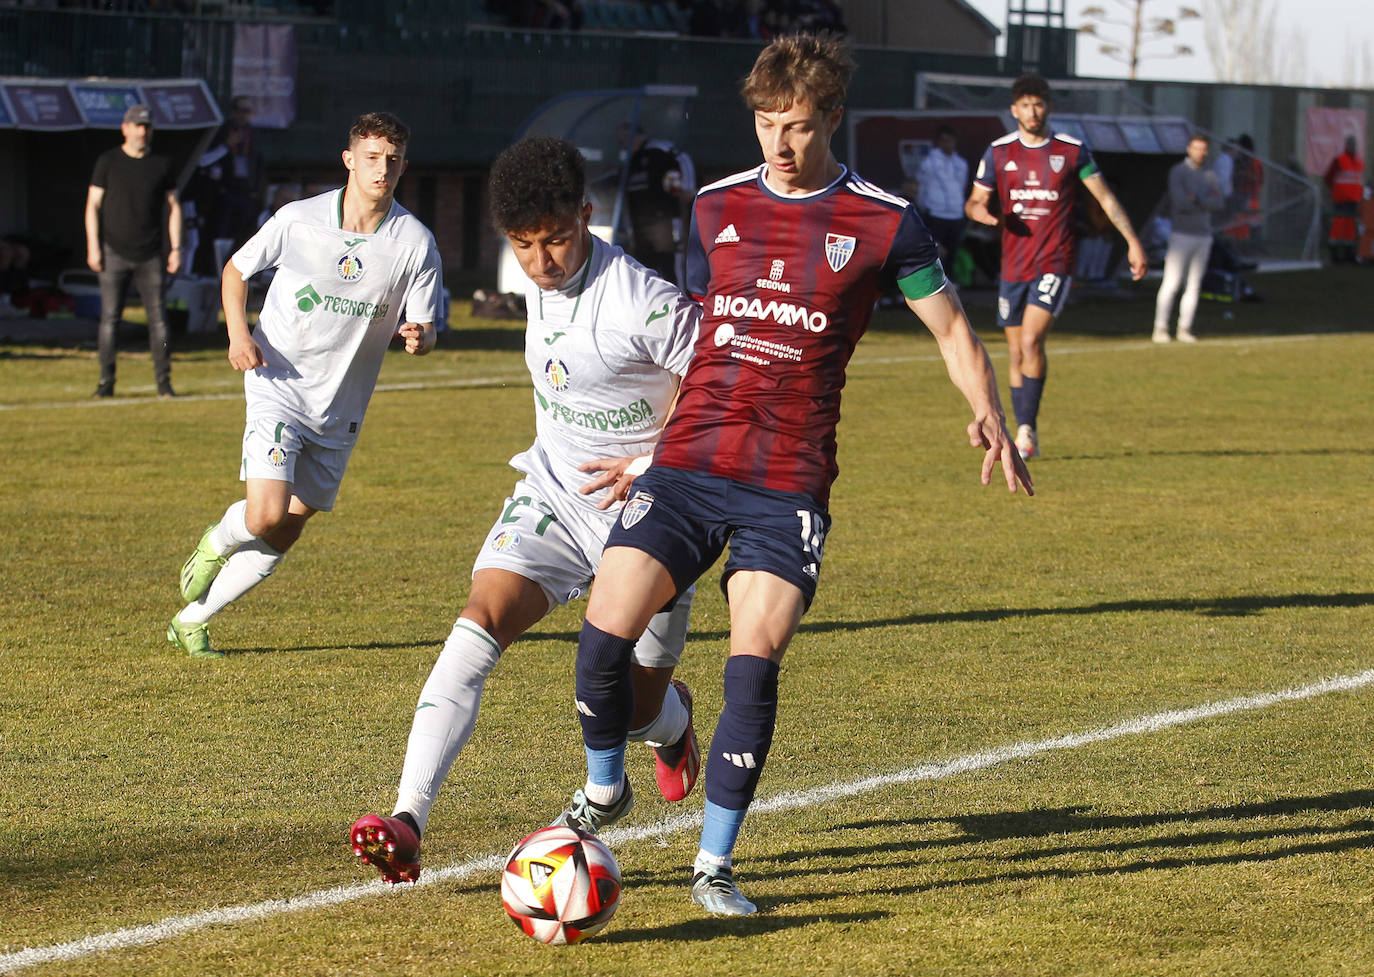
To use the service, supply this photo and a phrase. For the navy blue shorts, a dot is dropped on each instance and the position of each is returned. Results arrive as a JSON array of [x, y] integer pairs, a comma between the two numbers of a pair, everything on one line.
[[685, 520], [1049, 291]]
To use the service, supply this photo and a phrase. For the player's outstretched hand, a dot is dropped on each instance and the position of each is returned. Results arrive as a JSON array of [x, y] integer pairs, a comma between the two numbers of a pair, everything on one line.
[[419, 338], [997, 445], [1135, 255], [245, 355], [616, 473]]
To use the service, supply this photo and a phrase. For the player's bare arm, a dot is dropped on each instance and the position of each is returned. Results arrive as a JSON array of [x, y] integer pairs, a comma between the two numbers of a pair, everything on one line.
[[1135, 253], [976, 207], [173, 232], [244, 354], [970, 369], [95, 196], [419, 337]]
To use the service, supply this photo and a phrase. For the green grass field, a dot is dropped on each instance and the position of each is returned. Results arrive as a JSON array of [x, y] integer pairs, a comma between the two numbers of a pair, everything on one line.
[[1202, 533]]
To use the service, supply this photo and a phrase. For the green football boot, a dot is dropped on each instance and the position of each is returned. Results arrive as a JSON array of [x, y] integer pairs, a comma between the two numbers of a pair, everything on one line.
[[194, 639], [200, 570]]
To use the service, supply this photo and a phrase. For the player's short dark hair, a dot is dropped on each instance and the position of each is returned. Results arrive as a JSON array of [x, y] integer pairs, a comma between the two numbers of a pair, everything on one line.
[[946, 130], [379, 125], [537, 182], [1199, 137], [1033, 85], [814, 68]]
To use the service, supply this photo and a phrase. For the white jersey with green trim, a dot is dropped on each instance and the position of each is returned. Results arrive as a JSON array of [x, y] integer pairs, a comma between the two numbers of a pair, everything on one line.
[[606, 355], [332, 309]]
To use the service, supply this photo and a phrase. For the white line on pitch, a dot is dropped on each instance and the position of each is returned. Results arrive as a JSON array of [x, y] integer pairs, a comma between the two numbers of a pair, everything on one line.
[[179, 925], [429, 383], [434, 382]]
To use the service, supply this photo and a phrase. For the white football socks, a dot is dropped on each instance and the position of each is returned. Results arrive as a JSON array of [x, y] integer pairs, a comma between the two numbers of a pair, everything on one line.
[[445, 716], [668, 726], [232, 531], [248, 566]]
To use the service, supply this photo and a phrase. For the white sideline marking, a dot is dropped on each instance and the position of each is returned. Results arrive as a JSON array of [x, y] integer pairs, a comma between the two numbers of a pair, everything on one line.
[[179, 925], [435, 381]]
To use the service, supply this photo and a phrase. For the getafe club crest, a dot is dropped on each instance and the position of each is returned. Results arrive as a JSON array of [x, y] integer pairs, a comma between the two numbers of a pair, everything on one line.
[[1056, 163], [556, 372], [636, 509], [838, 250], [507, 541], [350, 268], [276, 456]]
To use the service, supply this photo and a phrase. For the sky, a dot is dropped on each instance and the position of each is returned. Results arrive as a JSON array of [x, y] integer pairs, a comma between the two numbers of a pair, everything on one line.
[[1334, 30]]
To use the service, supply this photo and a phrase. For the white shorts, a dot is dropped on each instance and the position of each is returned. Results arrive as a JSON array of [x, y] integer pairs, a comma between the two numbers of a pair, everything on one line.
[[282, 451], [560, 551]]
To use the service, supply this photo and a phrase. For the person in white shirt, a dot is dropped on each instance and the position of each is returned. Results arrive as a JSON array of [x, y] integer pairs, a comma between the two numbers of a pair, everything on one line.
[[348, 264], [606, 345], [942, 180]]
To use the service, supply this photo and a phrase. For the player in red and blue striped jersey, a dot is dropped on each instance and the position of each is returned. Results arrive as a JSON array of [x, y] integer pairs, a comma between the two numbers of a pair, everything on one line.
[[786, 260], [787, 283], [1036, 174]]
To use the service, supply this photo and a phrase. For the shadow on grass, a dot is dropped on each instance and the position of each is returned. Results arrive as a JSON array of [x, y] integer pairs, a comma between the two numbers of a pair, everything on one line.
[[1214, 453], [713, 927], [1137, 854], [1207, 606]]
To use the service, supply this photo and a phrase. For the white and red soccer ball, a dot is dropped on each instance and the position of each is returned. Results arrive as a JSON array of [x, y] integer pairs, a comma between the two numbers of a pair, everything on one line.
[[560, 885]]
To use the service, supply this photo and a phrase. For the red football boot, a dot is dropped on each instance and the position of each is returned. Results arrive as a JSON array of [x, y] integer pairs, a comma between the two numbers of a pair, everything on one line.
[[389, 845], [676, 765]]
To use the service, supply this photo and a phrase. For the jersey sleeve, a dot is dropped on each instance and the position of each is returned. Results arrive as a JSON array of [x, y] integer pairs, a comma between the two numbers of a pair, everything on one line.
[[698, 274], [100, 176], [426, 287], [263, 249], [665, 326], [986, 177], [1087, 166], [914, 258]]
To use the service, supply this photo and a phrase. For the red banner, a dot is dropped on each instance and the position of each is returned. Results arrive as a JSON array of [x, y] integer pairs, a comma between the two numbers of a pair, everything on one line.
[[1326, 132]]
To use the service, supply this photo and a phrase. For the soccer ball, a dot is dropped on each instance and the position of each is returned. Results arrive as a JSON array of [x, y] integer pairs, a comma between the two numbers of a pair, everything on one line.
[[560, 885]]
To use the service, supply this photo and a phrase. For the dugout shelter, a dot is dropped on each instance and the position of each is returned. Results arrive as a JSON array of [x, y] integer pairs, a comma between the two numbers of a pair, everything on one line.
[[52, 130], [598, 123]]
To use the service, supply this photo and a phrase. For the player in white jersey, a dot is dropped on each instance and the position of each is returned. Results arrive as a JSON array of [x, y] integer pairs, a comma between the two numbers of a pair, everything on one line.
[[606, 344], [349, 262]]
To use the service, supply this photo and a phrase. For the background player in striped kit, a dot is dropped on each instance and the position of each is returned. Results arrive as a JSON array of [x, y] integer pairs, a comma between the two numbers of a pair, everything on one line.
[[349, 262], [606, 345], [786, 259], [1036, 175]]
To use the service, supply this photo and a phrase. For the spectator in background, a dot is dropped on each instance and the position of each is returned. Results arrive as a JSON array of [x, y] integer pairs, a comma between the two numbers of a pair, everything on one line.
[[1247, 184], [942, 185], [132, 192], [1224, 166], [14, 276], [1345, 178], [1194, 194], [240, 176], [659, 184]]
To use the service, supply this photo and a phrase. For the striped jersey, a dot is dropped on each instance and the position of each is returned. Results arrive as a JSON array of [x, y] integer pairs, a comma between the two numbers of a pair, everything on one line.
[[787, 285], [332, 309], [1037, 187]]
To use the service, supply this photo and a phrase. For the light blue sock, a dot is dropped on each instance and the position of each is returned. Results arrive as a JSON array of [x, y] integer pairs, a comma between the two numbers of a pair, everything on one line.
[[719, 830], [606, 767]]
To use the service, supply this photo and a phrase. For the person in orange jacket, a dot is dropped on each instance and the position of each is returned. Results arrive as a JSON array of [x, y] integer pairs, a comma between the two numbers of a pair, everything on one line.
[[1345, 177]]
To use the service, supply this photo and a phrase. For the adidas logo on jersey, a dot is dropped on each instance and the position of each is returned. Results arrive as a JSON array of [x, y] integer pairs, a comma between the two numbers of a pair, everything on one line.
[[728, 236]]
